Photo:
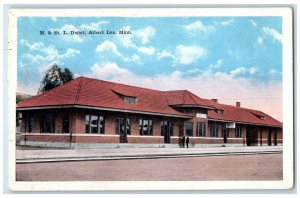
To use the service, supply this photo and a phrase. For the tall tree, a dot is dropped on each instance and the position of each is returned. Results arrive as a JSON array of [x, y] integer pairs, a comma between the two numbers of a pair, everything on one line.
[[55, 77]]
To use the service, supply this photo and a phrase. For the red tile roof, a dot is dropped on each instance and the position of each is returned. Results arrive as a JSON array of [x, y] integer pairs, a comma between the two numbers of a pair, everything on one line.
[[102, 94], [239, 114], [184, 97]]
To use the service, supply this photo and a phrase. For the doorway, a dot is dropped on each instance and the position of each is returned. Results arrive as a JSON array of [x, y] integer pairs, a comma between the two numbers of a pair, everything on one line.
[[123, 128], [167, 131], [269, 137], [251, 136]]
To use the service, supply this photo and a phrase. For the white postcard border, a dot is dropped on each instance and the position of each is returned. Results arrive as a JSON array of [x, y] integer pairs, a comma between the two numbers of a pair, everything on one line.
[[288, 167]]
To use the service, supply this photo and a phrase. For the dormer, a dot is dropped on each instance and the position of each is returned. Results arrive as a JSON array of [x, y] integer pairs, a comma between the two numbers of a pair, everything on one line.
[[127, 98], [130, 99], [259, 115], [219, 111]]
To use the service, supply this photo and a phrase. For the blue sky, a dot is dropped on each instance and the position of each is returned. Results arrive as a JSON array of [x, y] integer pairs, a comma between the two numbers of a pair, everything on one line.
[[230, 58]]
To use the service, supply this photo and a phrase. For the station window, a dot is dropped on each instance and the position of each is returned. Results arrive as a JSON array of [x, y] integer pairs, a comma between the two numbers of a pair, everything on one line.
[[214, 130], [31, 124], [129, 99], [48, 123], [201, 129], [146, 127], [189, 128], [123, 125], [238, 132], [65, 123], [166, 128], [94, 124]]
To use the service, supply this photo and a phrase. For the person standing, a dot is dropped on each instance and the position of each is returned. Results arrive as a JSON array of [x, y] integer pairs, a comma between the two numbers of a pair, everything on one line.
[[187, 141], [183, 140]]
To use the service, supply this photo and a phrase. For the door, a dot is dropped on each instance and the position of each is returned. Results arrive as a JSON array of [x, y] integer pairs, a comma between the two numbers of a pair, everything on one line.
[[225, 134], [269, 137], [166, 129], [121, 129], [275, 137], [251, 135]]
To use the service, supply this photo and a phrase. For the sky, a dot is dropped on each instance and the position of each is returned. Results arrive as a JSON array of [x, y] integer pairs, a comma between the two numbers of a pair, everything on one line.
[[228, 58]]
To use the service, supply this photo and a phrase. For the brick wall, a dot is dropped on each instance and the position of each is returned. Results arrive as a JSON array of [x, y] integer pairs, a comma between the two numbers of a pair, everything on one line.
[[96, 139], [58, 122], [146, 140], [47, 138], [135, 125], [77, 127]]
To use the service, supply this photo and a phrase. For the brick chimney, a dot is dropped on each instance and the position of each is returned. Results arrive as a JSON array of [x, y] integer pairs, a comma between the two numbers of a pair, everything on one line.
[[238, 104], [215, 100]]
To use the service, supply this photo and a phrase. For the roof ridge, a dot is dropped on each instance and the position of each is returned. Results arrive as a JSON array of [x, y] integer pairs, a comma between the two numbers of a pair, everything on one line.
[[183, 97], [176, 90], [166, 97], [192, 97], [78, 91]]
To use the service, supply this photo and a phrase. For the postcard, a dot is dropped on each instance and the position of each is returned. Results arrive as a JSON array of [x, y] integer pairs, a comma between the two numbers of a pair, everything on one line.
[[150, 99]]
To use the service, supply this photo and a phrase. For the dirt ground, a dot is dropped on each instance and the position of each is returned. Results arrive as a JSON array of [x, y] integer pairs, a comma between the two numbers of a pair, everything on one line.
[[242, 167]]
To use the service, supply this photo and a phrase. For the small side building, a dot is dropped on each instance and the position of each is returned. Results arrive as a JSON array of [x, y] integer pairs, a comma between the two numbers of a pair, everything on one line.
[[98, 114]]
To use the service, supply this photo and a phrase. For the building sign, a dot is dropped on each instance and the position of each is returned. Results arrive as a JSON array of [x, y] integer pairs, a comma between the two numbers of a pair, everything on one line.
[[201, 115], [230, 125]]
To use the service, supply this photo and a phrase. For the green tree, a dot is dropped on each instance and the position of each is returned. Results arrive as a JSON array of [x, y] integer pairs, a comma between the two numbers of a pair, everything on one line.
[[55, 77]]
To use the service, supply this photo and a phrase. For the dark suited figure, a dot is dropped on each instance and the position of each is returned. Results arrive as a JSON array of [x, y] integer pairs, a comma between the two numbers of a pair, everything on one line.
[[183, 140], [187, 141]]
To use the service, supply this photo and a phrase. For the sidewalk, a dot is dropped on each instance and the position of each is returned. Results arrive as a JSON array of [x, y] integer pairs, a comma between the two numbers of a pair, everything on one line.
[[57, 155]]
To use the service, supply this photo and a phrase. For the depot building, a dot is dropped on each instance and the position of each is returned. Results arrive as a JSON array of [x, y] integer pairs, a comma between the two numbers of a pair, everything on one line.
[[92, 113]]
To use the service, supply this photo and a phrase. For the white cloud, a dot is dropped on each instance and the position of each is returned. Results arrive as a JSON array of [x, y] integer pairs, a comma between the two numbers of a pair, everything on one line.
[[194, 71], [176, 74], [109, 71], [165, 54], [134, 58], [225, 23], [218, 63], [252, 70], [44, 56], [242, 70], [145, 34], [198, 26], [275, 74], [211, 70], [260, 40], [273, 33], [126, 39], [253, 22], [108, 46], [93, 26], [33, 58], [238, 71], [139, 36], [147, 50], [186, 55], [34, 46], [69, 53]]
